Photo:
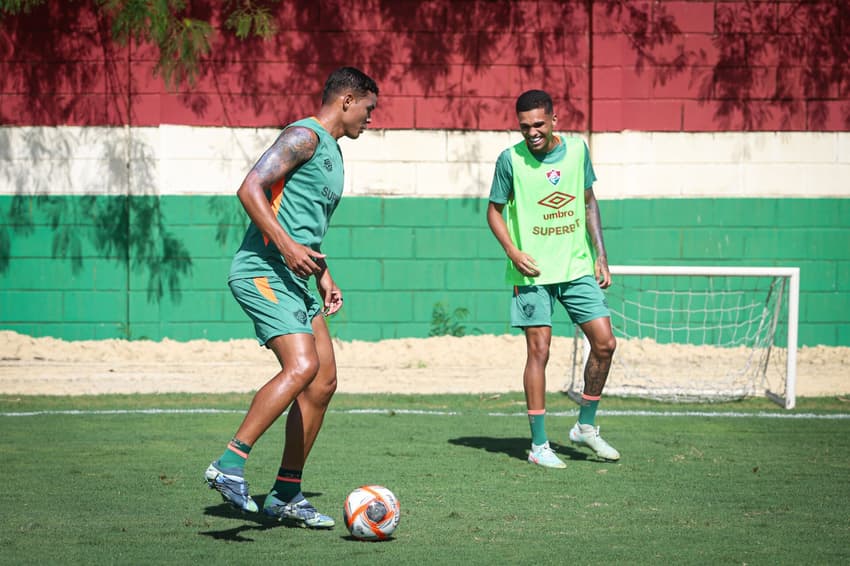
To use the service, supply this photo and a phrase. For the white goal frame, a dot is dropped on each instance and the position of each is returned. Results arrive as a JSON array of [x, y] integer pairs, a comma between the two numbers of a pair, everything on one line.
[[793, 275]]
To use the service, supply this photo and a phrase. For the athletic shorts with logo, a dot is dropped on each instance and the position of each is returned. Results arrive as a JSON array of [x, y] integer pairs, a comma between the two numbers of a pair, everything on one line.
[[533, 305], [276, 305]]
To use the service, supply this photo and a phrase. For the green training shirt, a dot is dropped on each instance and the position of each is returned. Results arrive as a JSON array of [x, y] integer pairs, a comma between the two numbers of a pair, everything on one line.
[[303, 203], [545, 211]]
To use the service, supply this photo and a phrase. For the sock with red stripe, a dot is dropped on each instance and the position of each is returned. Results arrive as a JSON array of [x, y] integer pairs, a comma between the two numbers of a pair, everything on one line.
[[537, 421], [287, 485], [587, 411], [235, 455]]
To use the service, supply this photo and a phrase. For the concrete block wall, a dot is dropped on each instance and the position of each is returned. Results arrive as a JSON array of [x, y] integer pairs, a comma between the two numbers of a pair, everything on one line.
[[718, 130], [395, 259]]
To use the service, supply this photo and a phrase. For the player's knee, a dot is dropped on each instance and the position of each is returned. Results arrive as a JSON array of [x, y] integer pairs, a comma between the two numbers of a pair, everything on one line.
[[605, 348], [326, 380], [327, 388], [538, 350], [321, 390], [302, 371]]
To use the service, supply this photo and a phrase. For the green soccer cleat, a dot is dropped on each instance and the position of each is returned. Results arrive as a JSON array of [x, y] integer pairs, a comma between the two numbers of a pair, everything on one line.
[[232, 487], [543, 455], [588, 435], [299, 511]]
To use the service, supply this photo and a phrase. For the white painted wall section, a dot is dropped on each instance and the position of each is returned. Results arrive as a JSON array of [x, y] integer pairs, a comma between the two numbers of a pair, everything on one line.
[[184, 160]]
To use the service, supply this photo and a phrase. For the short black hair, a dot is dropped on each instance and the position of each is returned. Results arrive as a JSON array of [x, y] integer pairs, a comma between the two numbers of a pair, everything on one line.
[[531, 99], [348, 78]]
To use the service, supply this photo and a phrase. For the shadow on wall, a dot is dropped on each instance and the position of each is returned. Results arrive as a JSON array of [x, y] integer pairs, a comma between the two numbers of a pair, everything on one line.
[[129, 230], [126, 224], [776, 65], [807, 69], [123, 223], [415, 50], [790, 55]]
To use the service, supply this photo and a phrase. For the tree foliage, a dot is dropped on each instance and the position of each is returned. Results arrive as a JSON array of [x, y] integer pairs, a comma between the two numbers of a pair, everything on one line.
[[182, 41]]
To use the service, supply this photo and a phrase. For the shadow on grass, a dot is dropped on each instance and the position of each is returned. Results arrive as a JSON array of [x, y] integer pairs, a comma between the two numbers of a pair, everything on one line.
[[514, 447], [260, 521]]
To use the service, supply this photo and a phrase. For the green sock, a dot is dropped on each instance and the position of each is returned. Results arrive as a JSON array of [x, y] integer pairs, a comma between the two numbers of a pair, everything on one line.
[[587, 412], [537, 420], [235, 455], [287, 484]]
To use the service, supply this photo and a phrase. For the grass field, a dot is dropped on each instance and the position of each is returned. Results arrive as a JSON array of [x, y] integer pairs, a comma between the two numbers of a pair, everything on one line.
[[118, 480]]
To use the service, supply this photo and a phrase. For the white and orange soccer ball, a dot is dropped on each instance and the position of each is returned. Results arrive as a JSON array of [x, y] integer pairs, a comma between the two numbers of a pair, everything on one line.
[[371, 512]]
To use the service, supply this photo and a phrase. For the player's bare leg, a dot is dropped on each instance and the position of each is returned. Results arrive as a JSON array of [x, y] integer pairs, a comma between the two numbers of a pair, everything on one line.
[[303, 422], [602, 346], [299, 365], [537, 341], [308, 412]]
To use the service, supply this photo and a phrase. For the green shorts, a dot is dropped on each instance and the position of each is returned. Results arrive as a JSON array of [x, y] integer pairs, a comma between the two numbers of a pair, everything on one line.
[[533, 305], [276, 306]]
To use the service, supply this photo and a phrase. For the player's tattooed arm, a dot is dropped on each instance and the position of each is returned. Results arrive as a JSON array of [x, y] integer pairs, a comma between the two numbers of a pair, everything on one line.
[[593, 221], [292, 148]]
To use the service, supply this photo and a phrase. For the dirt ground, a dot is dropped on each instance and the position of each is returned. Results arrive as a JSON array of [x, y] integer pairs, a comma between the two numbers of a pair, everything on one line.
[[472, 364]]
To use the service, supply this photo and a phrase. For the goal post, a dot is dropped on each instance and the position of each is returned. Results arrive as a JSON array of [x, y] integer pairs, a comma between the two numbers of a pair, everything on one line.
[[700, 333]]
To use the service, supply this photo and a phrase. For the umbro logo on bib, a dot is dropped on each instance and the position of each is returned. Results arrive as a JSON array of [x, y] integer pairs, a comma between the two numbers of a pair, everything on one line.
[[554, 176], [556, 200]]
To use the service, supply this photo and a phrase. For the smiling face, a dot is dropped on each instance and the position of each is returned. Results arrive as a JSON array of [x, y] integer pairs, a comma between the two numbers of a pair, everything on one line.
[[357, 113], [537, 127]]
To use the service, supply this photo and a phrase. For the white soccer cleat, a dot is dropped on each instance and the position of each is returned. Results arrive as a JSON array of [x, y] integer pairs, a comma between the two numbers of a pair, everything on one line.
[[588, 435], [543, 455]]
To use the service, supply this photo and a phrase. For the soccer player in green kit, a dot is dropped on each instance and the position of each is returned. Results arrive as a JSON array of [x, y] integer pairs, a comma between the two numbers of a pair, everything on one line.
[[543, 212], [290, 195]]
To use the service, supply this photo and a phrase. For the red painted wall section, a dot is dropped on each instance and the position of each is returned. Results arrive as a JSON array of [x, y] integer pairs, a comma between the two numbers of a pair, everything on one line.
[[611, 65]]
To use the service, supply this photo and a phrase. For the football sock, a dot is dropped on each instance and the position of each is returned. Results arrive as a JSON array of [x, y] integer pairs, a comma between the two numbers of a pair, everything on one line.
[[537, 420], [235, 455], [587, 411], [287, 485]]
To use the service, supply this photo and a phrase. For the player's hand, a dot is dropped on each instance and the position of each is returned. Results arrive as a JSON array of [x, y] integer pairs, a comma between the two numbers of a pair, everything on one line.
[[302, 260], [525, 264], [603, 274], [330, 293]]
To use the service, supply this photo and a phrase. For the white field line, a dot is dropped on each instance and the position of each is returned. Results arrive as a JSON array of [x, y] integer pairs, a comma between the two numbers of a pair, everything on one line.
[[705, 414]]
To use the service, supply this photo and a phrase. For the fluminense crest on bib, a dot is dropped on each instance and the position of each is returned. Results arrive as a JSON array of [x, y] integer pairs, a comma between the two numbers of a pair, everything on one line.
[[553, 175]]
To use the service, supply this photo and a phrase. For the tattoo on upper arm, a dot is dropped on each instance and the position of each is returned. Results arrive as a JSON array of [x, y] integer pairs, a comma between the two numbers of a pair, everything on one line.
[[293, 147]]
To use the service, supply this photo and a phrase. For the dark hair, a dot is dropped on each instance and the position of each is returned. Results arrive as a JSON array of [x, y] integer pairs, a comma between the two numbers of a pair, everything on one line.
[[531, 99], [348, 78]]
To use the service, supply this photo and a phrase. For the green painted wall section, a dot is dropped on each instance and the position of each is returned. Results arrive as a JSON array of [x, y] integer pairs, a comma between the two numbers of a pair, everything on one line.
[[148, 267]]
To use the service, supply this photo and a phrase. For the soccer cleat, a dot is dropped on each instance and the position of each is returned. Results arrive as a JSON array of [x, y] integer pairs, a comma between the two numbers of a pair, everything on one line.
[[232, 487], [298, 511], [543, 455], [588, 435]]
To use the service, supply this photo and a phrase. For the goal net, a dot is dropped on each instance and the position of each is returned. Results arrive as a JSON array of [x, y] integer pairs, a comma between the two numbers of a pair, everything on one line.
[[700, 334]]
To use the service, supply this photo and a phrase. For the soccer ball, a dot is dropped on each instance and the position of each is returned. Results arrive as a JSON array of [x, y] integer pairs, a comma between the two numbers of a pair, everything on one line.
[[371, 512]]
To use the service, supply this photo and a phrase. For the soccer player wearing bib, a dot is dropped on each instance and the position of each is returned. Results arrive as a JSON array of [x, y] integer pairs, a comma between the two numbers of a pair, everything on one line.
[[543, 213], [290, 195]]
